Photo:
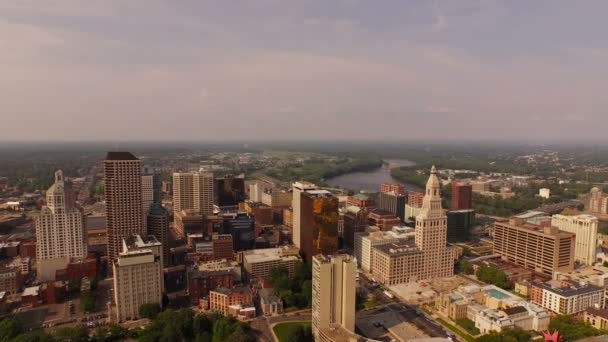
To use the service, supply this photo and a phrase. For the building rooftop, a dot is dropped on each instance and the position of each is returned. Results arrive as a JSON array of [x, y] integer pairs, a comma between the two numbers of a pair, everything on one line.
[[120, 156], [271, 254], [569, 291], [598, 312], [515, 310], [403, 247], [31, 291]]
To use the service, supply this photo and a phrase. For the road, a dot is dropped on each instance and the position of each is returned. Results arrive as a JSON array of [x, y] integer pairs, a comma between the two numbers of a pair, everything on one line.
[[262, 325]]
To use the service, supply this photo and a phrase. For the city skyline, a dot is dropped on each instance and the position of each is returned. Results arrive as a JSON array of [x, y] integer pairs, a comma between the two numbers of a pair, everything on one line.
[[313, 70]]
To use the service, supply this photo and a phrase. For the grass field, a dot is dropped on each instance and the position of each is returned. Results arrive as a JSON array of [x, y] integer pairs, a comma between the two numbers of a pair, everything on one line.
[[284, 329]]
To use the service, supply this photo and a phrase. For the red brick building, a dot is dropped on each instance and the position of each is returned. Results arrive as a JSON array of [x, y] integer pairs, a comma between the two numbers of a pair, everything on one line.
[[360, 200], [414, 199], [384, 220], [462, 196], [78, 269], [222, 298], [392, 187], [223, 247], [200, 283]]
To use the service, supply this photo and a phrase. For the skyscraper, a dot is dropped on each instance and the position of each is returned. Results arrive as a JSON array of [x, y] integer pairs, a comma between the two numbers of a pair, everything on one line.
[[158, 225], [431, 233], [194, 191], [123, 196], [333, 293], [298, 189], [319, 222], [585, 228], [59, 230], [393, 202], [230, 190], [462, 196]]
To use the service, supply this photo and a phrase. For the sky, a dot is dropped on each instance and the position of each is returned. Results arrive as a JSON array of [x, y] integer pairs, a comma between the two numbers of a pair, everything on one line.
[[196, 70]]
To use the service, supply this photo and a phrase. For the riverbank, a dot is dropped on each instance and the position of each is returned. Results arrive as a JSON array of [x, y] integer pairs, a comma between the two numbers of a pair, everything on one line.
[[370, 181]]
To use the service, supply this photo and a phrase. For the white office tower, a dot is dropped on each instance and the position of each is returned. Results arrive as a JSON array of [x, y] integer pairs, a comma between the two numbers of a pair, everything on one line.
[[333, 293], [59, 230], [298, 189], [194, 191], [138, 276], [585, 228]]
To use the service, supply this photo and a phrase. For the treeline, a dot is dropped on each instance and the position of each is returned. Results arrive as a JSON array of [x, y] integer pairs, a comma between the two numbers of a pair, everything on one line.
[[317, 170], [295, 291]]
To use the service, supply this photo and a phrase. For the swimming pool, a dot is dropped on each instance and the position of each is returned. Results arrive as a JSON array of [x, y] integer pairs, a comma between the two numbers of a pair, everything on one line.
[[497, 294]]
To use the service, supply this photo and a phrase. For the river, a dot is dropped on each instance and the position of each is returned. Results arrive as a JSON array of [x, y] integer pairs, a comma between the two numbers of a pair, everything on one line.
[[370, 181]]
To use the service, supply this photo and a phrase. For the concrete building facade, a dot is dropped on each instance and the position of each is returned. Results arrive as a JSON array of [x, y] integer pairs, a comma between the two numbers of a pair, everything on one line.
[[59, 230], [585, 228]]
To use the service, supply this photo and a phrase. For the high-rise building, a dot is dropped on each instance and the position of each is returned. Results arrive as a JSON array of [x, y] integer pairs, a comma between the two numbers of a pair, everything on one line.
[[460, 224], [230, 190], [123, 196], [543, 250], [158, 226], [319, 222], [298, 189], [394, 203], [585, 228], [151, 185], [193, 191], [138, 276], [431, 232], [597, 202], [59, 230], [222, 247], [462, 196], [333, 293], [415, 198], [428, 257], [393, 187], [242, 228]]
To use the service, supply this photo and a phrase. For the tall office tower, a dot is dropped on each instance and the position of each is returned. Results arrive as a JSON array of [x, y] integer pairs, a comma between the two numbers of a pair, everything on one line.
[[157, 223], [230, 190], [59, 230], [319, 221], [122, 192], [460, 224], [150, 187], [333, 293], [431, 233], [138, 276], [392, 187], [394, 203], [462, 196], [298, 189], [585, 228], [193, 191]]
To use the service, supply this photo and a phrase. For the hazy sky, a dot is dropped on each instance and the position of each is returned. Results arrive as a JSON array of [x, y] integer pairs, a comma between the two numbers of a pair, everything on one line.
[[308, 69]]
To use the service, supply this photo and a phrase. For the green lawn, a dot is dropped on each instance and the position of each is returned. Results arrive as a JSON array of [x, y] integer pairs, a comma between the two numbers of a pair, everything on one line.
[[466, 337], [283, 330], [468, 325]]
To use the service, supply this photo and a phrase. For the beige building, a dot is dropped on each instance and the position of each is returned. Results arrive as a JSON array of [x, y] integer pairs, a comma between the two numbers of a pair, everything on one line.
[[429, 256], [59, 230], [543, 250], [364, 242], [567, 299], [258, 263], [585, 228], [147, 192], [277, 198], [598, 318], [298, 189], [333, 292], [123, 196], [193, 191], [597, 202], [138, 277]]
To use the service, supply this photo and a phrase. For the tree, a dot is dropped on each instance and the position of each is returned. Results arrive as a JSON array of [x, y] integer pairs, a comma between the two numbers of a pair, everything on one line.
[[571, 329], [87, 301], [464, 266], [150, 310], [300, 334], [493, 275], [507, 335], [71, 334], [34, 336], [9, 328], [307, 291]]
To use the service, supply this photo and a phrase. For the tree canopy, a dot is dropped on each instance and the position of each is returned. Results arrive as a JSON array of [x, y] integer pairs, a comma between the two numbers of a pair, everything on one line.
[[295, 291], [495, 276]]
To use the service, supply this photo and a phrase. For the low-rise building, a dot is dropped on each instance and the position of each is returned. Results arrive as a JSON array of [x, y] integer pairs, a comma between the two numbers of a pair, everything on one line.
[[222, 298], [207, 276], [598, 318], [383, 219], [270, 302], [568, 299], [258, 263]]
